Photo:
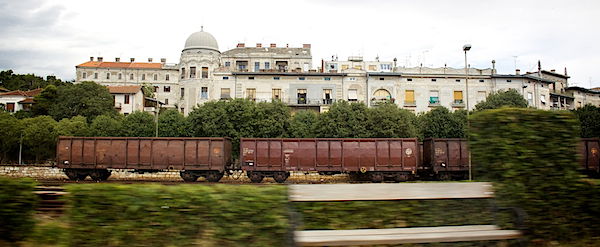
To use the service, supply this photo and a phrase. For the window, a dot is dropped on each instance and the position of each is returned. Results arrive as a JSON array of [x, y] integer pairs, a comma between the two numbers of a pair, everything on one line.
[[10, 107], [276, 78], [267, 65], [182, 73], [227, 64], [251, 78], [409, 97], [543, 99], [108, 75], [225, 93], [481, 81], [408, 79], [481, 95], [302, 96], [457, 80], [352, 78], [434, 97], [131, 76], [166, 77], [242, 65], [155, 89], [302, 78], [433, 79], [357, 67], [386, 66], [205, 72], [251, 93], [327, 96], [143, 77], [327, 78], [276, 93], [344, 66], [225, 77], [381, 78], [155, 77], [95, 75], [204, 93], [167, 89], [126, 100], [352, 95], [166, 101], [256, 66], [458, 97], [192, 72], [182, 110], [84, 75], [120, 76], [182, 93], [508, 80], [530, 98], [372, 67]]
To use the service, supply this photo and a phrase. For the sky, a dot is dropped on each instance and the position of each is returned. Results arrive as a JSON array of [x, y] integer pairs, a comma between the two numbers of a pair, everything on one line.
[[50, 37]]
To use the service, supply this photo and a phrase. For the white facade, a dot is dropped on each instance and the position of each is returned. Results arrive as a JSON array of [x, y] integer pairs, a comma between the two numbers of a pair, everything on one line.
[[265, 73]]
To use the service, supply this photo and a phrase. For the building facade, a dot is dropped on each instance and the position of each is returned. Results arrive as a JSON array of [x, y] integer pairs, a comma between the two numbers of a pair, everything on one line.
[[287, 74]]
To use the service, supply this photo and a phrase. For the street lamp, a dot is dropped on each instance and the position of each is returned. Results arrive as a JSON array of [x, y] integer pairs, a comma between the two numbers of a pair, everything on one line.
[[466, 48]]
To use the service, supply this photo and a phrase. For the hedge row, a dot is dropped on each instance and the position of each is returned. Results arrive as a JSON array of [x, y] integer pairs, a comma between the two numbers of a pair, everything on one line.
[[17, 203], [531, 155]]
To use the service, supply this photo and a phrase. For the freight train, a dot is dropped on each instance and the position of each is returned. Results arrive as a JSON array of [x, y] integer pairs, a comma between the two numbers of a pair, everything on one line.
[[373, 159]]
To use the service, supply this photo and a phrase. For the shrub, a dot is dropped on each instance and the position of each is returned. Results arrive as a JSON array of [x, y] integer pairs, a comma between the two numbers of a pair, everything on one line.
[[17, 203], [531, 154], [183, 215]]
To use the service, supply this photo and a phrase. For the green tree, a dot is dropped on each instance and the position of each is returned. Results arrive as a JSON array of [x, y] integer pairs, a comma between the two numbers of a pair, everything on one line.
[[10, 134], [271, 119], [343, 120], [589, 118], [139, 124], [509, 98], [39, 136], [12, 81], [107, 125], [302, 124], [76, 126], [87, 99], [171, 123], [441, 123], [45, 100], [389, 121], [22, 114]]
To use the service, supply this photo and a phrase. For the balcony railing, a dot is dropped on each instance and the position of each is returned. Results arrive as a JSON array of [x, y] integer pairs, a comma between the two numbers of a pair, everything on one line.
[[377, 101], [410, 103], [458, 103]]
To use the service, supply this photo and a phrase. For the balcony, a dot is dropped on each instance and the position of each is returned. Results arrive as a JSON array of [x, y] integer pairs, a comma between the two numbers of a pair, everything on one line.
[[378, 101], [434, 101], [458, 103], [410, 103]]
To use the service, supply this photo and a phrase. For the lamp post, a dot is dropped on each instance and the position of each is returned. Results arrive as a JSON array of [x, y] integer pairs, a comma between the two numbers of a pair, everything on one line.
[[466, 48]]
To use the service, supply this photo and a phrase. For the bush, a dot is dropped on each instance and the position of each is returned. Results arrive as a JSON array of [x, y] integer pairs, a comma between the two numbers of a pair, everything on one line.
[[589, 117], [183, 215], [17, 203], [441, 123], [531, 154]]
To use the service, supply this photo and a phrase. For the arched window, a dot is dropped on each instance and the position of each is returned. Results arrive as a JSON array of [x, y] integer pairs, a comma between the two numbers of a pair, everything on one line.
[[382, 94]]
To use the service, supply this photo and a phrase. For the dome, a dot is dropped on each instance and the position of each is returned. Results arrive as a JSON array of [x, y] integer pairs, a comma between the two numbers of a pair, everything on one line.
[[201, 40]]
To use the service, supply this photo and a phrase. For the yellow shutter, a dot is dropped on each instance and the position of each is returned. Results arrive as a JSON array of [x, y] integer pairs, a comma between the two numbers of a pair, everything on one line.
[[410, 96], [458, 95]]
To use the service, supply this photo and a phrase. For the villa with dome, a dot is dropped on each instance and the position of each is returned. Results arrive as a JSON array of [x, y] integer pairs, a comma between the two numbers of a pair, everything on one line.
[[266, 72]]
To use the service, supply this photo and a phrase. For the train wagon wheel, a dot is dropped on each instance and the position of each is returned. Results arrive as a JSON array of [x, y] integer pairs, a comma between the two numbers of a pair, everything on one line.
[[105, 175], [188, 176], [214, 176], [376, 177], [255, 177], [97, 175], [280, 177], [401, 177], [72, 174], [444, 176]]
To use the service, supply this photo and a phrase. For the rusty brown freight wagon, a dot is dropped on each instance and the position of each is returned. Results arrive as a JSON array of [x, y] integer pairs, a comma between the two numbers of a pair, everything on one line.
[[94, 156], [589, 157], [374, 159], [445, 158]]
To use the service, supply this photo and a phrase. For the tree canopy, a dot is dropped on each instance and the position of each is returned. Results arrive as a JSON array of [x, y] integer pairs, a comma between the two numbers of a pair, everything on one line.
[[441, 123], [343, 120], [87, 99], [589, 118], [39, 136], [107, 125], [302, 124], [509, 98], [12, 81], [139, 124], [171, 123]]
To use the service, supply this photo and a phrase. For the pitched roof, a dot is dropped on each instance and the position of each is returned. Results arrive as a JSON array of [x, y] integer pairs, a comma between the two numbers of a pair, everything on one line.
[[29, 93], [124, 89], [2, 89], [96, 64], [27, 101]]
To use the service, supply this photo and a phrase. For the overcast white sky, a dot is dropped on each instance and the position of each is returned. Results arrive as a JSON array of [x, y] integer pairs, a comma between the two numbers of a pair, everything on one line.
[[51, 37]]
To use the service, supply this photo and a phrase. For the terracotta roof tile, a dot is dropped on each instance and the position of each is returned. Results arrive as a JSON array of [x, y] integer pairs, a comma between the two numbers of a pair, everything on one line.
[[124, 89], [27, 101], [29, 93], [96, 64]]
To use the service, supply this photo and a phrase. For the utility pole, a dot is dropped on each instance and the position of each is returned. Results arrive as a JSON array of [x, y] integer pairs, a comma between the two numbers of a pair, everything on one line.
[[466, 48]]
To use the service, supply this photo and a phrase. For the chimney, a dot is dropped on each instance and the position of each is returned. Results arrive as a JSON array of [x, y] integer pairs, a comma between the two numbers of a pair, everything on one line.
[[117, 59], [100, 59], [493, 66], [91, 58], [287, 45], [517, 71], [565, 70], [149, 59], [258, 45], [241, 45], [307, 46], [553, 70], [273, 45], [132, 59], [163, 60]]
